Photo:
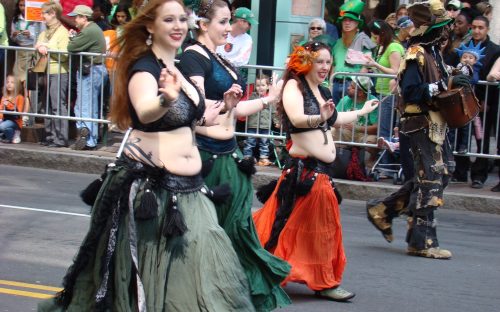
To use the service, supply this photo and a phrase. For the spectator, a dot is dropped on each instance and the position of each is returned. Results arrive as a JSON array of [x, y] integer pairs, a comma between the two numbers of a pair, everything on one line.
[[480, 29], [4, 38], [494, 75], [67, 7], [114, 5], [120, 17], [485, 9], [365, 129], [404, 28], [392, 20], [55, 37], [259, 123], [401, 11], [89, 39], [12, 100], [453, 7], [23, 33], [450, 56], [331, 30], [99, 17], [316, 27], [387, 59], [239, 44], [462, 28], [352, 21]]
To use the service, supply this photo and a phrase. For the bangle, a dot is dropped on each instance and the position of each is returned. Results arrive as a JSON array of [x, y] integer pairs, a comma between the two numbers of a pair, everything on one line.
[[265, 103], [201, 122], [164, 102], [313, 123]]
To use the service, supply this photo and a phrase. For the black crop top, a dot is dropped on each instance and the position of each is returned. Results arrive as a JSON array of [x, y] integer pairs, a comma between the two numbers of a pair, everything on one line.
[[311, 107], [217, 79], [181, 113]]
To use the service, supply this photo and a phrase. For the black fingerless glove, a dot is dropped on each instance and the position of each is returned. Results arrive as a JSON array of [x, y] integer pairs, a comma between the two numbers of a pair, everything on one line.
[[460, 81]]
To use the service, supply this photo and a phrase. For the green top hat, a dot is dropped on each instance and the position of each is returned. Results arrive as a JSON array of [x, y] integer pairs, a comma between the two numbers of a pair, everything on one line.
[[352, 9]]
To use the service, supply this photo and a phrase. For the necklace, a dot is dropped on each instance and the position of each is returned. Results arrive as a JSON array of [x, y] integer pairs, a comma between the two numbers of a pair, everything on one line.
[[224, 62]]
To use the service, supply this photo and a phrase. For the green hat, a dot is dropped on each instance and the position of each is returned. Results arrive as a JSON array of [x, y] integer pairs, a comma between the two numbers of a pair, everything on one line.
[[427, 16], [352, 9], [364, 83], [246, 14]]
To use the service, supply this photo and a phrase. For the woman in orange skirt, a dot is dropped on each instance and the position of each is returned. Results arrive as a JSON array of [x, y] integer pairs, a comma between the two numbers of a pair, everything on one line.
[[300, 221]]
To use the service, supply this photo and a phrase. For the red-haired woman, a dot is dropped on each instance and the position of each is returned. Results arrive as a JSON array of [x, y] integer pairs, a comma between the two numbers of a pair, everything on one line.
[[300, 221], [154, 243], [223, 161]]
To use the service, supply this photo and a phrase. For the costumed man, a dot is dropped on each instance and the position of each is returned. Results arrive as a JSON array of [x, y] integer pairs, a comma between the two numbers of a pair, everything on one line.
[[422, 76], [351, 21]]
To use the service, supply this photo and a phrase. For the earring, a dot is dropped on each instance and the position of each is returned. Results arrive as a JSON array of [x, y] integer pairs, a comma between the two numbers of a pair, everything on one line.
[[149, 41]]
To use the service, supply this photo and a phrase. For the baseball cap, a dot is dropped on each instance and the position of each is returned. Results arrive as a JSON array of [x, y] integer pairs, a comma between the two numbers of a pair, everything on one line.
[[246, 14], [364, 83], [454, 3], [81, 10], [404, 22]]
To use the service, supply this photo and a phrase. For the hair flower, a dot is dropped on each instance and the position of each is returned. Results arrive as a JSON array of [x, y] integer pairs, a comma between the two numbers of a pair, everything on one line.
[[193, 20]]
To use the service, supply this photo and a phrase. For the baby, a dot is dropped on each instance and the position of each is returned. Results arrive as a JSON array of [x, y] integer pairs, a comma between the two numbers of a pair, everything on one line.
[[469, 60]]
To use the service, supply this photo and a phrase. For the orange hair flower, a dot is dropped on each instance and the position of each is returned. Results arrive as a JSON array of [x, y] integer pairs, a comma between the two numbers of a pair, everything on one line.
[[301, 60]]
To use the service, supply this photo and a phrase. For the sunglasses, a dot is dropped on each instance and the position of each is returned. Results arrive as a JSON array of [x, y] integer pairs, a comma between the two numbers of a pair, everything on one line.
[[315, 28], [452, 8]]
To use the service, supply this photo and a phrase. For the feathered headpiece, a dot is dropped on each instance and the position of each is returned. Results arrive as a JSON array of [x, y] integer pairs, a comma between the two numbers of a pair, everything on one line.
[[301, 60], [475, 50]]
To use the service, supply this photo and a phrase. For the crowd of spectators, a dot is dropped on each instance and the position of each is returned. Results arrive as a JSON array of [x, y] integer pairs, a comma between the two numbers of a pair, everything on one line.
[[93, 26]]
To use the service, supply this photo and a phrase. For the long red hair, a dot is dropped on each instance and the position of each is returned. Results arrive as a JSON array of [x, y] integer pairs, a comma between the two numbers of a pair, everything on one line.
[[131, 46]]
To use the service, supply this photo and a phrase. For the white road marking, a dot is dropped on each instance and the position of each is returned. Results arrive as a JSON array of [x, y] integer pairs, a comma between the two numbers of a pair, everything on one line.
[[47, 211]]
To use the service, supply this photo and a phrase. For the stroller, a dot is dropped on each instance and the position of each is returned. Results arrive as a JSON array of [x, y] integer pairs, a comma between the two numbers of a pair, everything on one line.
[[392, 168]]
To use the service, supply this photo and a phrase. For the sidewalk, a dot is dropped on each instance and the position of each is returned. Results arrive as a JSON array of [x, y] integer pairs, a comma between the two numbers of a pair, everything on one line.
[[457, 196]]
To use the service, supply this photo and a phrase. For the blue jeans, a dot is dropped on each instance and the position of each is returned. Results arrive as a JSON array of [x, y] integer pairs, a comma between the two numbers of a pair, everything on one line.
[[339, 90], [7, 129], [387, 117], [251, 142], [87, 100]]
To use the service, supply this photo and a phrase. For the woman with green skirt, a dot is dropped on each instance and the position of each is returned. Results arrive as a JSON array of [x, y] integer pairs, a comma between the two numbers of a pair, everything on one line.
[[154, 243], [223, 161]]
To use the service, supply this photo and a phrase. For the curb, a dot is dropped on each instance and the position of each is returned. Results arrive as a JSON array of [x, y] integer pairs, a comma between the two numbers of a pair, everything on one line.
[[94, 162]]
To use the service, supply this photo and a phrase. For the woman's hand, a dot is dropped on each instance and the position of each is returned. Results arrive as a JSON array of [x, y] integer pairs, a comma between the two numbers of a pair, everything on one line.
[[275, 89], [212, 111], [169, 85], [42, 49], [232, 96], [369, 107], [369, 60], [326, 110]]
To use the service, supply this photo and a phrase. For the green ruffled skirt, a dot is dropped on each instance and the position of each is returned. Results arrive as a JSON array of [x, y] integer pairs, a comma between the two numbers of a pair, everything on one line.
[[264, 271], [198, 271]]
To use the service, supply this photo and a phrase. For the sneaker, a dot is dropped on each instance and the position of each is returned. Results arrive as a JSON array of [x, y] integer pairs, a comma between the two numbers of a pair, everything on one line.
[[81, 140], [264, 162], [384, 144], [336, 294], [476, 184], [17, 137], [432, 253]]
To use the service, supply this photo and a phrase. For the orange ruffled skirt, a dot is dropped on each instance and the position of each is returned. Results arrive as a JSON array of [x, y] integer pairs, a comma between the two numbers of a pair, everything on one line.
[[311, 240]]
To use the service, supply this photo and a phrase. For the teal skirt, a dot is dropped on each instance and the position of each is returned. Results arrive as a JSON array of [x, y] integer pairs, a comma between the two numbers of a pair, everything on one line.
[[264, 271], [146, 271]]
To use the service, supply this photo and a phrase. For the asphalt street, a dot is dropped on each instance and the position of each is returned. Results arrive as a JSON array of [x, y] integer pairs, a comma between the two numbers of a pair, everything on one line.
[[42, 222]]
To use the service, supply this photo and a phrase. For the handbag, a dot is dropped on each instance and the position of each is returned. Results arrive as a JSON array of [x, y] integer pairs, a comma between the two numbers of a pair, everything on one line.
[[41, 64], [457, 106]]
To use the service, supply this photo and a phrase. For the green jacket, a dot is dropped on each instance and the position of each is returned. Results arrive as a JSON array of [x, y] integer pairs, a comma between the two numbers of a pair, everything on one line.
[[89, 39], [253, 120], [4, 38]]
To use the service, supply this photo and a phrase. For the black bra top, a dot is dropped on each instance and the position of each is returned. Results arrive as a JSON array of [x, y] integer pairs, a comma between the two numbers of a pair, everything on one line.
[[311, 107], [217, 79], [181, 113]]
